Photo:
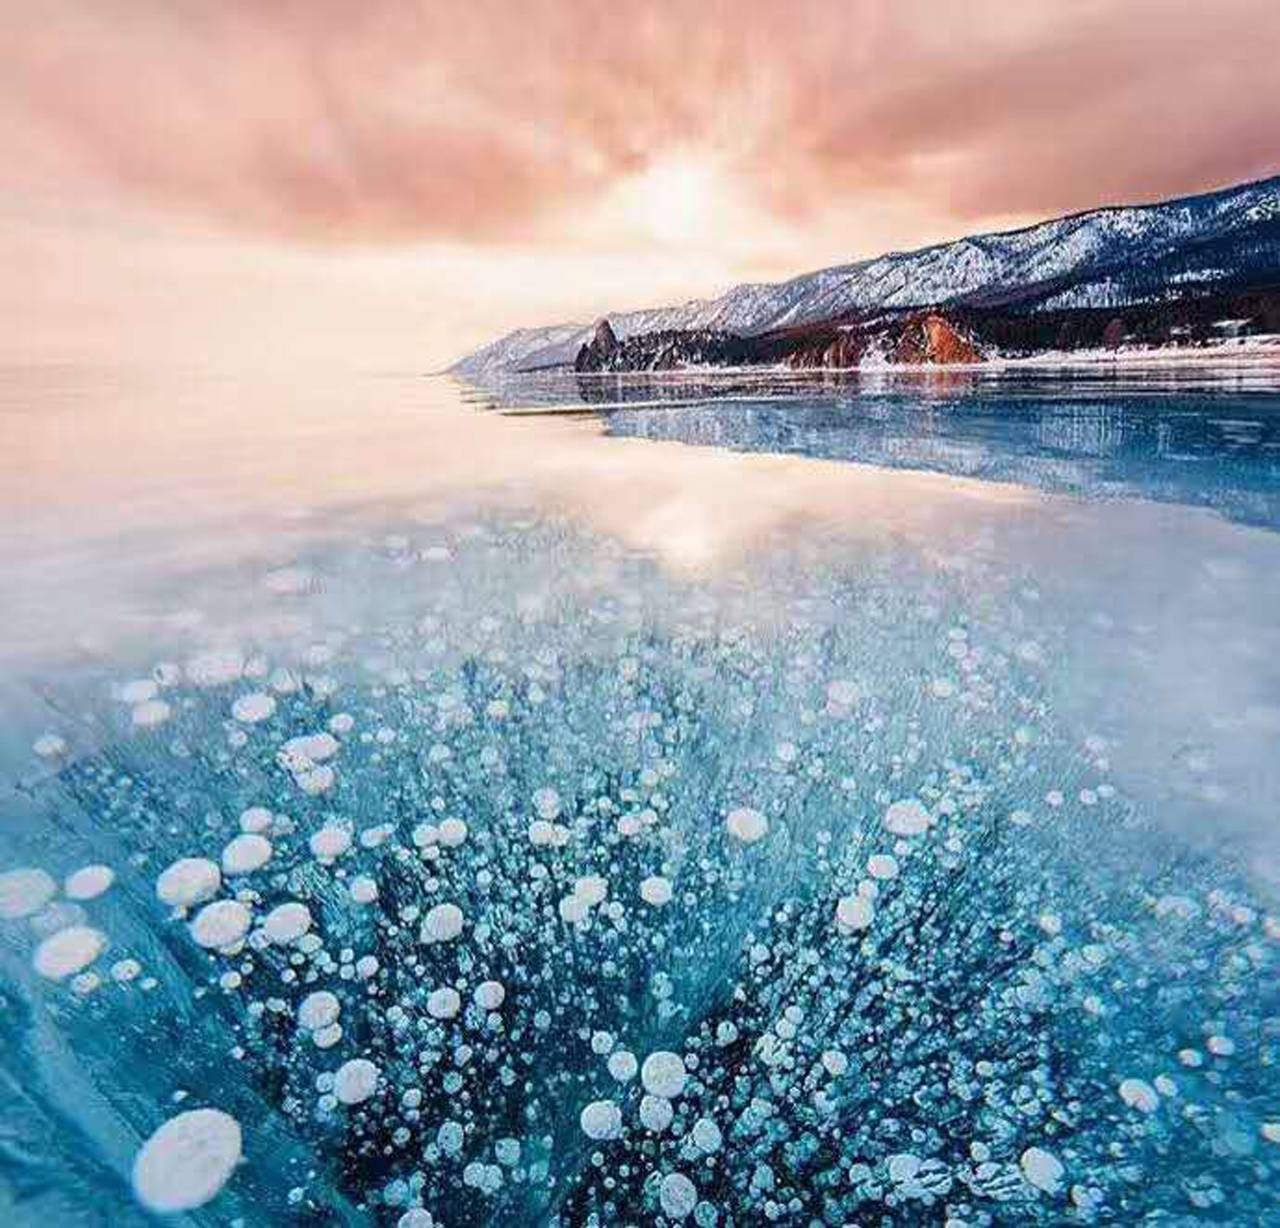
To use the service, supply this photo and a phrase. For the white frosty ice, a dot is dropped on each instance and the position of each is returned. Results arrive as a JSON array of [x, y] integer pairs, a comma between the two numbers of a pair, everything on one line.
[[746, 824], [907, 817], [68, 951], [152, 713], [49, 746], [355, 1080], [187, 1161], [842, 694], [188, 881]]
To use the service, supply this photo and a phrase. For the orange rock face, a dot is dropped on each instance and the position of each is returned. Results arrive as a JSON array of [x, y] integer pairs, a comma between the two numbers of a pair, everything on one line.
[[932, 339], [943, 344]]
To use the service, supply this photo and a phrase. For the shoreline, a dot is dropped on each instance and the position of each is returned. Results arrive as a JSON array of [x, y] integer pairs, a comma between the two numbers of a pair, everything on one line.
[[1260, 351]]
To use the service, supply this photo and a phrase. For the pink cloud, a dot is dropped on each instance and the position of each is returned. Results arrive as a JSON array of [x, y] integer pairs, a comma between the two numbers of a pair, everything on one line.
[[479, 120]]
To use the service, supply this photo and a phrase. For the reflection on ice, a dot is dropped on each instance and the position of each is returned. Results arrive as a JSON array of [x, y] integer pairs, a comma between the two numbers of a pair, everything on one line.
[[1207, 436], [482, 872]]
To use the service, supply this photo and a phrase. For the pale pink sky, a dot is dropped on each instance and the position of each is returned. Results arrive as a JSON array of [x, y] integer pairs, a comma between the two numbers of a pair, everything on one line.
[[272, 177]]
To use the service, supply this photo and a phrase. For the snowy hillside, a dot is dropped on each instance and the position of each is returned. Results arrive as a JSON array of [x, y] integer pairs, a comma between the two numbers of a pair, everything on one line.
[[1101, 258]]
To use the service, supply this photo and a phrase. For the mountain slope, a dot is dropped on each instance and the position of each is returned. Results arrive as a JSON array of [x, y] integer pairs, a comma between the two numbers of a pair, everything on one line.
[[1103, 258]]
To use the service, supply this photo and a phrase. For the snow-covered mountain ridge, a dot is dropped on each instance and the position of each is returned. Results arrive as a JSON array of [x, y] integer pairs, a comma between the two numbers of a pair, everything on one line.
[[1106, 257]]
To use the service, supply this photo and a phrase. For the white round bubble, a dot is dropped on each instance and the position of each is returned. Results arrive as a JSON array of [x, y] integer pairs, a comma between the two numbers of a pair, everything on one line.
[[907, 817], [546, 801], [623, 1065], [287, 922], [442, 924], [49, 746], [330, 842], [187, 1161], [601, 1120], [1042, 1169], [221, 924], [308, 748], [453, 832], [246, 853], [655, 1113], [591, 890], [443, 1003], [416, 1217], [252, 708], [663, 1074], [490, 995], [24, 892], [677, 1196], [1139, 1094], [355, 1080], [319, 1010], [256, 818], [88, 882], [656, 890], [746, 824], [69, 950], [882, 866], [854, 912], [191, 880]]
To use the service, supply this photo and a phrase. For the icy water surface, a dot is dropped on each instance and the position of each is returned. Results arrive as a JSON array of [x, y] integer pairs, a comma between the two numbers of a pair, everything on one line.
[[414, 816], [1204, 437]]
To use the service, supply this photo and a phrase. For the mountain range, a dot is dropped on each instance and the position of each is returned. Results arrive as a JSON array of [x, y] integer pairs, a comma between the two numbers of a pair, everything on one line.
[[1180, 271]]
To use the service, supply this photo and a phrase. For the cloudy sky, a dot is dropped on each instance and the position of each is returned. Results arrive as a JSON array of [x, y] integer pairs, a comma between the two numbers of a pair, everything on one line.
[[280, 175]]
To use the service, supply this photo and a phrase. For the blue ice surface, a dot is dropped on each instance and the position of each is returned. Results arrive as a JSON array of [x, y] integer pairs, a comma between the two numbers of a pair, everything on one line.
[[1201, 438], [957, 973]]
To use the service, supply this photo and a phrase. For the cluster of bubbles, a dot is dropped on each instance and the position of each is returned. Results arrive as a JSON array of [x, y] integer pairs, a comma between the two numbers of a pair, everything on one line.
[[618, 902]]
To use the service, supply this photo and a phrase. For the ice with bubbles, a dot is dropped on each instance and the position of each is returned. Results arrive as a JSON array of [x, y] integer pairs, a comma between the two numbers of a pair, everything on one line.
[[434, 890]]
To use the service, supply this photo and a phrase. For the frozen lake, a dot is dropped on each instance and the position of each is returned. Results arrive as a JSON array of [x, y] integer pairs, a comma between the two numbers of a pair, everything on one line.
[[449, 816]]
